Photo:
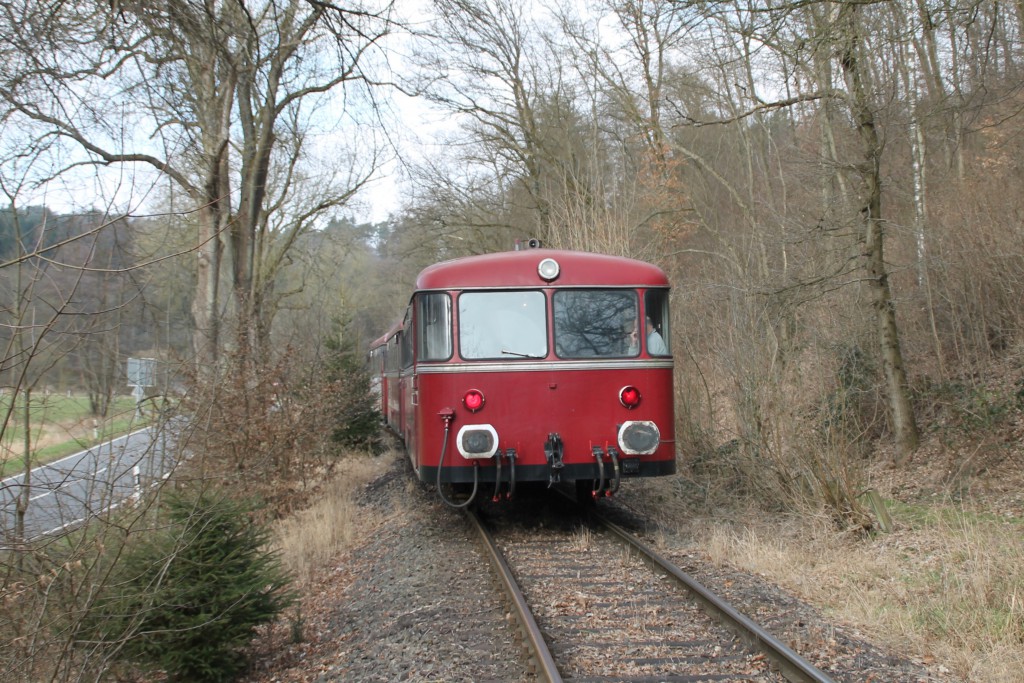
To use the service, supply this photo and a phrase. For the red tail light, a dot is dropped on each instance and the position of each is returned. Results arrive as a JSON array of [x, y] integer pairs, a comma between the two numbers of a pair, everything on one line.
[[629, 396], [473, 400]]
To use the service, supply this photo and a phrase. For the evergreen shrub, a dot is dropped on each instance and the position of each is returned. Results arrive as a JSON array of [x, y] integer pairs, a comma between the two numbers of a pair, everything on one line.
[[188, 596]]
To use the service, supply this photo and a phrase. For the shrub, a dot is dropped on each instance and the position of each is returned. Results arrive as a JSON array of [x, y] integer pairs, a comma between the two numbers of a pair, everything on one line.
[[187, 596], [351, 402]]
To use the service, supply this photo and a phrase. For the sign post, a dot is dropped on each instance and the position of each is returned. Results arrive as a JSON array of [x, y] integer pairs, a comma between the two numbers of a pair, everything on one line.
[[141, 374]]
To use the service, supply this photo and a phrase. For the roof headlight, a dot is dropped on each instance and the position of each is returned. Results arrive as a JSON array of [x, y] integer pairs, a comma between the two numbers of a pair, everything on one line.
[[548, 269]]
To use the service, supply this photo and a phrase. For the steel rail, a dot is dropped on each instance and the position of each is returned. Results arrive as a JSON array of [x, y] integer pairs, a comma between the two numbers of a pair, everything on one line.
[[791, 665], [528, 625]]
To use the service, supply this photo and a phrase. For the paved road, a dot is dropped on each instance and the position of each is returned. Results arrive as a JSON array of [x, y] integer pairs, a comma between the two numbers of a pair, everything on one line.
[[65, 493]]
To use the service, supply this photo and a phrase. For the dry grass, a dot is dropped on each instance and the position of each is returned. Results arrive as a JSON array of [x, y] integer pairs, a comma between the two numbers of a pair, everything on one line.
[[948, 587], [309, 539], [582, 539]]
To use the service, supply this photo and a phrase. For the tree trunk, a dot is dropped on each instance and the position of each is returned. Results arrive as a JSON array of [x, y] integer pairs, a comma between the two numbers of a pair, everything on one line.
[[205, 303], [872, 254]]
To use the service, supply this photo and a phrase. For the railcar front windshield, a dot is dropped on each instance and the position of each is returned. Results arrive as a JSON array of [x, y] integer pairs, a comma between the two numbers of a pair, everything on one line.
[[506, 325], [596, 323]]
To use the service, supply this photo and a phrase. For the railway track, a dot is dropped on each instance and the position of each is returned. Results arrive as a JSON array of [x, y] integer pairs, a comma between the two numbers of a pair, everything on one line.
[[595, 603]]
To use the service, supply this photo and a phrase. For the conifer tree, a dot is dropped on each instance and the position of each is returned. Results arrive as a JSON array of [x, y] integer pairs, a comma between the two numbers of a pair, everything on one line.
[[190, 594]]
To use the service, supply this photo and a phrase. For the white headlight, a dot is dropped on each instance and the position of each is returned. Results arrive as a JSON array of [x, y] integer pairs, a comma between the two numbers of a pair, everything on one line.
[[639, 437], [477, 441], [548, 269]]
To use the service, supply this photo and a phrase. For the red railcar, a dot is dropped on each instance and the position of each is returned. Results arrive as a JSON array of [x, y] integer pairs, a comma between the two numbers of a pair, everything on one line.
[[385, 363], [533, 365]]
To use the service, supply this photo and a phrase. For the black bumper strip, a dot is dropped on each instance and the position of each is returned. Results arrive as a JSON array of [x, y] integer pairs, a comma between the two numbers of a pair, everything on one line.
[[571, 472]]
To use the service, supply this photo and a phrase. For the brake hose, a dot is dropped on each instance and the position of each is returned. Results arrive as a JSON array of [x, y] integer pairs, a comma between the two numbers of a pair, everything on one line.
[[511, 474], [440, 466], [614, 454], [497, 477], [598, 456]]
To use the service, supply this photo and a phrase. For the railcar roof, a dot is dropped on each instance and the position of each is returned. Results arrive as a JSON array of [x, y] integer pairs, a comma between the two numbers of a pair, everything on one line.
[[519, 269], [383, 339]]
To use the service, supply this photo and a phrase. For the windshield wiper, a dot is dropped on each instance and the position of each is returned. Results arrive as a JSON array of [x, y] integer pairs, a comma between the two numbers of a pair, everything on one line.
[[521, 355]]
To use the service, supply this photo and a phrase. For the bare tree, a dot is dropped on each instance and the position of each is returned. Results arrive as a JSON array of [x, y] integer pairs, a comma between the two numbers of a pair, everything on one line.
[[230, 98], [484, 62], [809, 44], [626, 85], [877, 277]]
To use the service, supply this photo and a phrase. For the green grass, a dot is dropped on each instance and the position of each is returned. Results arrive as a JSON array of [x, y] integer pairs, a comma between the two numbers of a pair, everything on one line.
[[54, 409], [51, 415], [924, 516]]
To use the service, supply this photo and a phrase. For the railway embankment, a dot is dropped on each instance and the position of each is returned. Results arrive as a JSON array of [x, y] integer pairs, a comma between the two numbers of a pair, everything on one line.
[[412, 598]]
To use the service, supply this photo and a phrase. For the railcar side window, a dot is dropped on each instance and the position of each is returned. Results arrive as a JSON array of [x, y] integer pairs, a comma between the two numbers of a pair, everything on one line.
[[595, 323], [656, 311], [506, 325], [391, 356], [405, 339], [434, 318]]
